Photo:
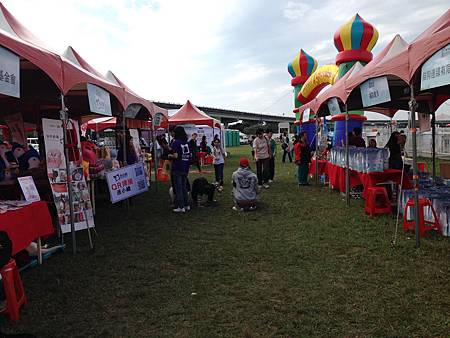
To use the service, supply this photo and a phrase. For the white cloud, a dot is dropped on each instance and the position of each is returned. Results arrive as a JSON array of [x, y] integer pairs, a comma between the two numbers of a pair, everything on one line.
[[229, 54]]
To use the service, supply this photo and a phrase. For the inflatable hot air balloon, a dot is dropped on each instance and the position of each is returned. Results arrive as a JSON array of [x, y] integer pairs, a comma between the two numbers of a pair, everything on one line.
[[301, 69], [354, 40]]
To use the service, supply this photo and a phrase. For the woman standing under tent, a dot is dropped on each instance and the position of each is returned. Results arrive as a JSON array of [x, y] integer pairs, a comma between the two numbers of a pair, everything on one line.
[[261, 148], [204, 145], [302, 158], [194, 151], [180, 157], [395, 152], [219, 161], [131, 156]]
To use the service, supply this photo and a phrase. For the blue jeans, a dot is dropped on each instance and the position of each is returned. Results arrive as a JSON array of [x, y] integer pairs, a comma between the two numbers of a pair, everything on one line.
[[180, 188], [218, 168]]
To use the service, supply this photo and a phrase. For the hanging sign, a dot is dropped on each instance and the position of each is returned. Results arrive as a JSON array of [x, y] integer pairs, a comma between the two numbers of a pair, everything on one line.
[[333, 106], [132, 110], [375, 91], [29, 189], [436, 70], [99, 100], [424, 122], [158, 120], [305, 116], [58, 177], [126, 182], [16, 127], [9, 73]]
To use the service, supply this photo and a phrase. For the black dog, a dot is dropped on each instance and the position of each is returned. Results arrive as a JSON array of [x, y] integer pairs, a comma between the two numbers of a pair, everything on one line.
[[201, 187]]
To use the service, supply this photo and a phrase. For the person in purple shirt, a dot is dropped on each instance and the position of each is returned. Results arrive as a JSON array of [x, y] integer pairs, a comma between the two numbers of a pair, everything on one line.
[[181, 157]]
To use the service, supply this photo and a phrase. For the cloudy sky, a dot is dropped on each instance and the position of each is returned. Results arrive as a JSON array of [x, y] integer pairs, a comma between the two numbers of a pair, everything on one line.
[[229, 54]]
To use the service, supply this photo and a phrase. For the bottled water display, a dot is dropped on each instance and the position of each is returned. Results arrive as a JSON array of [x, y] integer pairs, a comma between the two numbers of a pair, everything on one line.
[[365, 160]]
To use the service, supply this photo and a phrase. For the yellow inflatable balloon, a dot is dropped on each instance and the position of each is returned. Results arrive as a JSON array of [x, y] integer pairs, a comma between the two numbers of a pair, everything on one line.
[[323, 76]]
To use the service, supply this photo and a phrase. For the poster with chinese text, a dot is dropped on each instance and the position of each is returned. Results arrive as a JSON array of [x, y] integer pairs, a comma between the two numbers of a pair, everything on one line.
[[59, 178]]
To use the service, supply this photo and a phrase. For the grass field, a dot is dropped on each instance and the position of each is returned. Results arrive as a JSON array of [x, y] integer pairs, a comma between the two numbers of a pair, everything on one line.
[[303, 265]]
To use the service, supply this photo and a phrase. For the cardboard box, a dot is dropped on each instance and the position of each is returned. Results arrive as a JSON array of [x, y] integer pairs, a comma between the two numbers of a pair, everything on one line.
[[445, 170]]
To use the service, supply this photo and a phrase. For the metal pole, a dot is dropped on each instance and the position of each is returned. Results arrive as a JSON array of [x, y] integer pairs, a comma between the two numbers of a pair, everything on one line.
[[433, 143], [347, 161], [124, 139], [317, 151], [412, 116], [64, 116], [155, 156]]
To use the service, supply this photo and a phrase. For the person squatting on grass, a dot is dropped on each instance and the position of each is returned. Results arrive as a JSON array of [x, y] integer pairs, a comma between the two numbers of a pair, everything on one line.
[[245, 187], [302, 157], [219, 161], [262, 158], [181, 157]]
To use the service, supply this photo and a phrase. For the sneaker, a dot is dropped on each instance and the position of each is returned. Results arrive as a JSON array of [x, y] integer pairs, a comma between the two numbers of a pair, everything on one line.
[[252, 208], [188, 208], [270, 181], [235, 208], [260, 186], [266, 186], [179, 210]]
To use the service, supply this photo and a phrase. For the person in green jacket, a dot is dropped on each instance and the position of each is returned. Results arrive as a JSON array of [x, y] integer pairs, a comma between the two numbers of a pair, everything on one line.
[[273, 151]]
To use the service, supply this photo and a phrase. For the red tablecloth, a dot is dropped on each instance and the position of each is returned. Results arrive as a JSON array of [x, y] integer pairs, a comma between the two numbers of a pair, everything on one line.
[[26, 224], [312, 167], [337, 178]]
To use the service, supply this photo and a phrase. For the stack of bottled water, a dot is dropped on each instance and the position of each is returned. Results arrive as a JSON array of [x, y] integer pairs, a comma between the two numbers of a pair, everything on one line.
[[365, 160]]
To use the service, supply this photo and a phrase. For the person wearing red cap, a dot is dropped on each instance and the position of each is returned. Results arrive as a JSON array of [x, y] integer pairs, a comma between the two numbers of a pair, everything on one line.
[[245, 187]]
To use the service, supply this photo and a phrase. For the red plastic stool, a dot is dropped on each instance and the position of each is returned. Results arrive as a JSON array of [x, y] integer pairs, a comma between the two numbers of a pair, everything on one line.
[[14, 291], [377, 201], [421, 167], [424, 225], [162, 175]]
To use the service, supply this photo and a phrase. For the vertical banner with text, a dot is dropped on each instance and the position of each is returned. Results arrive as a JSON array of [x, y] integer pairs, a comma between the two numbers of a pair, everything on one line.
[[59, 178]]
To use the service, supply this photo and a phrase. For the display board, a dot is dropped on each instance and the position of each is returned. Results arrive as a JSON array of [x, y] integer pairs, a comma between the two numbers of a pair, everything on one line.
[[126, 182], [29, 189], [375, 91], [16, 127], [99, 100], [436, 70], [58, 177], [201, 131], [9, 73]]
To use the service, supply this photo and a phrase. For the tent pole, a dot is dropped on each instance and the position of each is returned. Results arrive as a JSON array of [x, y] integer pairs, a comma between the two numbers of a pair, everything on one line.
[[64, 116], [412, 116], [155, 157], [317, 151], [433, 143], [127, 202], [347, 161]]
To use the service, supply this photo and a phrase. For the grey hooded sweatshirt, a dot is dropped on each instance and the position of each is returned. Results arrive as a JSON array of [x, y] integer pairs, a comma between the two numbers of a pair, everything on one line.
[[245, 185]]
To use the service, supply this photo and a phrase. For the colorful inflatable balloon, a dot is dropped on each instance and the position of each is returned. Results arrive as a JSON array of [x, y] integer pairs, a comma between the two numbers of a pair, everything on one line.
[[301, 69], [325, 75], [354, 40]]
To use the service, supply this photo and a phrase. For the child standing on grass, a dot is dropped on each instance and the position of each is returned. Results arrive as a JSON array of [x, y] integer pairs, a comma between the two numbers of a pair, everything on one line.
[[219, 161]]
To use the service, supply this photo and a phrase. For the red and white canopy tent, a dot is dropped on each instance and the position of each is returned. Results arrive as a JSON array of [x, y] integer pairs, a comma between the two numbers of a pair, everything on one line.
[[190, 114]]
